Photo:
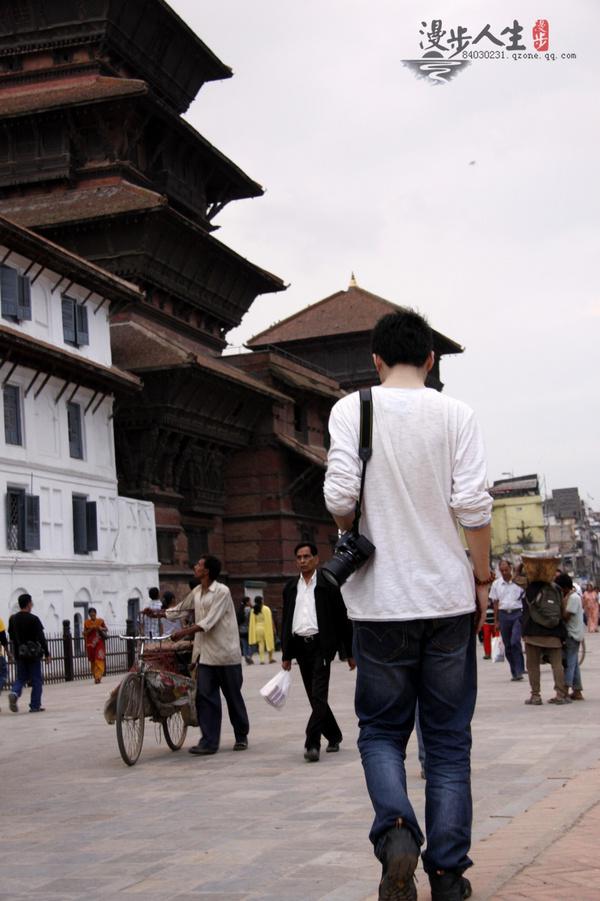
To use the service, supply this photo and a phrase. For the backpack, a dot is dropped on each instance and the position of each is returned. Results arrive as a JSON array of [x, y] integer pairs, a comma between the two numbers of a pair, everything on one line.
[[546, 607]]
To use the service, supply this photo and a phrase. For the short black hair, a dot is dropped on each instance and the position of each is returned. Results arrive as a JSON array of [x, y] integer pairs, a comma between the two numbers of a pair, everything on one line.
[[153, 594], [213, 565], [92, 609], [564, 580], [167, 598], [402, 337], [309, 544], [24, 600]]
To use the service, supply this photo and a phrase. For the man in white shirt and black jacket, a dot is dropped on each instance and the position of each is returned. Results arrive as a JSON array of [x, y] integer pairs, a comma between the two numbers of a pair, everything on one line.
[[315, 627], [417, 604]]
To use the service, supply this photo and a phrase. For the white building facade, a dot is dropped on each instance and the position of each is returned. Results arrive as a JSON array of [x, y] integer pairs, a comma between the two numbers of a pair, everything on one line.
[[66, 536]]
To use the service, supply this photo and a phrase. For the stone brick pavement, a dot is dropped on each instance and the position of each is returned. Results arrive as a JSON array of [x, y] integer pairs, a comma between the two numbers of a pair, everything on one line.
[[78, 824]]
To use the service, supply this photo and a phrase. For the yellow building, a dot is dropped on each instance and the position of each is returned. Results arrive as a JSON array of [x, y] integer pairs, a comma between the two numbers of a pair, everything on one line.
[[517, 516]]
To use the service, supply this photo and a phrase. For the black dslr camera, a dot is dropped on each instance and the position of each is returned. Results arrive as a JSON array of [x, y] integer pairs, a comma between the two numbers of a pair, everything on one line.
[[352, 550], [350, 553]]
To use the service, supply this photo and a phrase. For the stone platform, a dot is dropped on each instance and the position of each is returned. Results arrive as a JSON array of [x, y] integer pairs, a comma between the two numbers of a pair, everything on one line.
[[79, 825]]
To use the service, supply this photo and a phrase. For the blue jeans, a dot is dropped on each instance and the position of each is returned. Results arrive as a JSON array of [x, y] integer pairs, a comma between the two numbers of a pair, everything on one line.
[[571, 661], [3, 671], [431, 661], [510, 630], [244, 644], [420, 744], [29, 671]]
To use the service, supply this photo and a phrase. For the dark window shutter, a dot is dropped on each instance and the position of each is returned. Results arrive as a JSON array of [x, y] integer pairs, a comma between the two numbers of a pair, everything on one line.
[[91, 525], [75, 431], [68, 318], [81, 323], [79, 525], [24, 298], [32, 522], [9, 292], [12, 415]]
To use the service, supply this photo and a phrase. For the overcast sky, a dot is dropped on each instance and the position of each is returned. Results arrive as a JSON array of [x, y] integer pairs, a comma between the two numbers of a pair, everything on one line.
[[368, 168]]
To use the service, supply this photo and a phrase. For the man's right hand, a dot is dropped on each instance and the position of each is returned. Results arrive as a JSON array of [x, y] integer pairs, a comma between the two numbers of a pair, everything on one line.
[[286, 665]]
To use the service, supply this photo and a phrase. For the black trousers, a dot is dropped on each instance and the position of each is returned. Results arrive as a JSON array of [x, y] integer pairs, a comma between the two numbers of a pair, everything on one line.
[[315, 675], [211, 681]]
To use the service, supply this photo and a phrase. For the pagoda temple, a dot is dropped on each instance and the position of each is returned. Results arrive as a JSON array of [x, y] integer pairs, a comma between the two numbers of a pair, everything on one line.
[[334, 334], [95, 155]]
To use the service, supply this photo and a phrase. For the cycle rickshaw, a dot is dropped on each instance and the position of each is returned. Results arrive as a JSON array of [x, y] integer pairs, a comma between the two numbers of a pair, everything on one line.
[[159, 692]]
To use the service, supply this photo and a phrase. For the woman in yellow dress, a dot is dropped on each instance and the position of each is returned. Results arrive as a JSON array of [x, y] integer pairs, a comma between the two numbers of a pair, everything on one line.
[[95, 632], [260, 630]]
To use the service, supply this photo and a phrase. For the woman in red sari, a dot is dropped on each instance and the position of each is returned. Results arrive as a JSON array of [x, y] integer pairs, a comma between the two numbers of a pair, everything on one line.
[[590, 606], [95, 631]]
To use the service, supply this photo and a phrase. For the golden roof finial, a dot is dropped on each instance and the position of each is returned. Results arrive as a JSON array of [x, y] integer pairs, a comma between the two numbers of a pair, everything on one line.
[[353, 282]]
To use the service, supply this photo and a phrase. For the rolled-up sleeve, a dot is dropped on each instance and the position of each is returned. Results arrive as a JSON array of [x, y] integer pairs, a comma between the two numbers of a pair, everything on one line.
[[180, 609], [470, 500], [342, 479], [218, 608]]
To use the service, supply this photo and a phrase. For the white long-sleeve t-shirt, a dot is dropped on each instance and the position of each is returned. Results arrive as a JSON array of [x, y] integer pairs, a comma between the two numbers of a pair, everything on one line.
[[427, 473]]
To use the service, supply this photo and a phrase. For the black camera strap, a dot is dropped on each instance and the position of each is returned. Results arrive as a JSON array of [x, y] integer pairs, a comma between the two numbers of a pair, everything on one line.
[[365, 446]]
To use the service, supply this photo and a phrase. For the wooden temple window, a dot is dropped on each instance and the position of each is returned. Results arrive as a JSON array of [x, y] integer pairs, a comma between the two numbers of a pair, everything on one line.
[[12, 64], [197, 544], [300, 421], [75, 427], [165, 543], [13, 430], [61, 56], [15, 295], [85, 525], [22, 520], [75, 322]]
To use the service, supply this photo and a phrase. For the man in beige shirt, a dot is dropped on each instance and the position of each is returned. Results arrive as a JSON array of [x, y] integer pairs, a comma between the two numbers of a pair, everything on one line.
[[218, 657]]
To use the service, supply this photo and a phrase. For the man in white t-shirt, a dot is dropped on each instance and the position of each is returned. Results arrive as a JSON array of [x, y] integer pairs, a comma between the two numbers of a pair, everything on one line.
[[507, 598], [416, 606]]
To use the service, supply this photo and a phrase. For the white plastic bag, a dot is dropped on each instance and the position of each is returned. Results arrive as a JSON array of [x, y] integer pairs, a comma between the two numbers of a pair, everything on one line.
[[497, 649], [277, 689]]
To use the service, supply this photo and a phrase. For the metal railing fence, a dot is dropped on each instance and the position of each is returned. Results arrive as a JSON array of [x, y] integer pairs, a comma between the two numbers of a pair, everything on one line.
[[69, 658]]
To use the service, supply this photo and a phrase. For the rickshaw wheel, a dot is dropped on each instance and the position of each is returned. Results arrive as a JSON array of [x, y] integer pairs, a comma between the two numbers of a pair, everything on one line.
[[130, 717], [175, 730]]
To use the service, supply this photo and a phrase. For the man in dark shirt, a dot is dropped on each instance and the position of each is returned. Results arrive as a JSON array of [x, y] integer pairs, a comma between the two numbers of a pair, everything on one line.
[[29, 646], [3, 655], [314, 627]]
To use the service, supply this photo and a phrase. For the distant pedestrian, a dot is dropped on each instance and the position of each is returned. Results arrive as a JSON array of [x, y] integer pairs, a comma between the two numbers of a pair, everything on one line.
[[315, 626], [260, 630], [590, 606], [29, 644], [168, 626], [244, 612], [543, 640], [573, 616], [507, 598], [489, 630], [149, 628], [95, 634], [4, 653], [217, 654]]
